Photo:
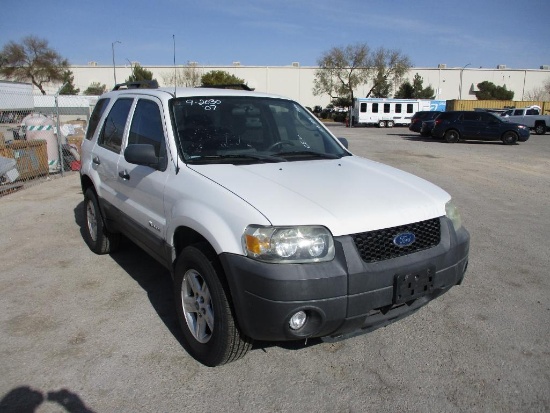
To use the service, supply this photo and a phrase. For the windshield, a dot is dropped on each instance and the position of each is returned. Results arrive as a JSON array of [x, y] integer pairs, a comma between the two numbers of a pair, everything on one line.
[[235, 129]]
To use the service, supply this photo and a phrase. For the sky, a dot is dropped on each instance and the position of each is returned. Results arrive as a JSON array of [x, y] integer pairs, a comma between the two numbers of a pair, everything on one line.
[[473, 33]]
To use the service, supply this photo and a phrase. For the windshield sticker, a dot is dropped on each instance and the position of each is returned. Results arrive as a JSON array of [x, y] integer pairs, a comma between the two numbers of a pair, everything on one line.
[[206, 104]]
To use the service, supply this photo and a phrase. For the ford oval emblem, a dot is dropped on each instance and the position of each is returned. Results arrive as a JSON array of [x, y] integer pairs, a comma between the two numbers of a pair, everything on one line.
[[404, 239]]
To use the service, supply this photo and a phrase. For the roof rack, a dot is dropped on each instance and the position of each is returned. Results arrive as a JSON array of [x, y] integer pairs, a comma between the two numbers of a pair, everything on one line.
[[143, 84], [237, 86]]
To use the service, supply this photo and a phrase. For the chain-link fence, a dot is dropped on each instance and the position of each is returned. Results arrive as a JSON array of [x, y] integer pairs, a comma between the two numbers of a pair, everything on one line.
[[40, 135]]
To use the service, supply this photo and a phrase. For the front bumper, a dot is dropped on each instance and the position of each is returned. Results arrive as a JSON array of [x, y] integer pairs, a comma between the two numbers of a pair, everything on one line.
[[343, 297]]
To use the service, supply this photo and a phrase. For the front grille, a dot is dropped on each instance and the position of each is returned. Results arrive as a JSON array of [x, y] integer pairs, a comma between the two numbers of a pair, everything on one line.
[[378, 245]]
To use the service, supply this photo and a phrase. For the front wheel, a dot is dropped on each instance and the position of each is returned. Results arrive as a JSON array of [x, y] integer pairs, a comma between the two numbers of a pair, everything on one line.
[[452, 136], [509, 138], [99, 239], [204, 311]]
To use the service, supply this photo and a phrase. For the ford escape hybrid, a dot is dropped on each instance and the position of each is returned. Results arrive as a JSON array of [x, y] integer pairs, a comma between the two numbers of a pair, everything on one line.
[[272, 229]]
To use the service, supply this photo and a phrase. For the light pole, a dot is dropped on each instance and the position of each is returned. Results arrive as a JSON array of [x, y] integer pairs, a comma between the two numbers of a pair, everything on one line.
[[460, 87], [113, 48]]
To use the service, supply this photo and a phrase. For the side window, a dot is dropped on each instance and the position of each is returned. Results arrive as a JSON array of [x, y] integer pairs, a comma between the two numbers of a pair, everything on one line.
[[398, 108], [363, 107], [147, 127], [113, 129], [375, 108], [96, 116], [470, 116], [386, 108], [486, 117], [410, 108]]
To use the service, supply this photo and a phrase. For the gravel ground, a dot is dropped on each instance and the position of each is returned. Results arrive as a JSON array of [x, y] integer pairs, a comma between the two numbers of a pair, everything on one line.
[[86, 333]]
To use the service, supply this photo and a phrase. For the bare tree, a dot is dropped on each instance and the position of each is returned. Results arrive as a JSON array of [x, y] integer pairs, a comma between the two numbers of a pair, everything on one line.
[[390, 66], [32, 60], [187, 76], [539, 93], [341, 70]]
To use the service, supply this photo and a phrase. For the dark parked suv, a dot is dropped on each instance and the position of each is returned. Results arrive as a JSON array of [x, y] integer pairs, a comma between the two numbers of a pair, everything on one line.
[[460, 125], [419, 117]]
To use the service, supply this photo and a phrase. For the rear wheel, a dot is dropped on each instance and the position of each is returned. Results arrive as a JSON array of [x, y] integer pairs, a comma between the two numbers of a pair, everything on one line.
[[509, 138], [390, 124], [204, 311], [98, 238], [452, 136], [540, 128], [381, 124]]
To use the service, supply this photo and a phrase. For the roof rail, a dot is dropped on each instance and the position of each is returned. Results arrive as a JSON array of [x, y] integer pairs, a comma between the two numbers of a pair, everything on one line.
[[142, 84], [237, 86]]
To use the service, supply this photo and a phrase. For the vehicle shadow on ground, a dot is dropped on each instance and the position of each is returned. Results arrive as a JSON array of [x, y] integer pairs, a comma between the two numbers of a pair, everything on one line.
[[156, 280], [419, 138]]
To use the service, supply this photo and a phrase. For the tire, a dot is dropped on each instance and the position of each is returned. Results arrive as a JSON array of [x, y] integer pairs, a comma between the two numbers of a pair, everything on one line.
[[96, 235], [204, 311], [381, 124], [540, 128], [509, 138], [389, 124], [452, 136]]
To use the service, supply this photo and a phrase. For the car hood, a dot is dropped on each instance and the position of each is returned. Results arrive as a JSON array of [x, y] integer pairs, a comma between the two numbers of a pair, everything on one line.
[[347, 195]]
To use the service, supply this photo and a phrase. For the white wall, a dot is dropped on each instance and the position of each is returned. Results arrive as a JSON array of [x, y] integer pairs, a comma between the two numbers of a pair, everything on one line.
[[297, 82]]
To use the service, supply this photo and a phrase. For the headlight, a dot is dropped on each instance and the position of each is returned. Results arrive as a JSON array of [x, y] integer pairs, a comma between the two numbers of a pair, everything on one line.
[[288, 244], [452, 213]]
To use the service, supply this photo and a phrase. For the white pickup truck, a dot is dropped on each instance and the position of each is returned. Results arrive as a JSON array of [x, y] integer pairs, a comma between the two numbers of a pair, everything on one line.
[[530, 117]]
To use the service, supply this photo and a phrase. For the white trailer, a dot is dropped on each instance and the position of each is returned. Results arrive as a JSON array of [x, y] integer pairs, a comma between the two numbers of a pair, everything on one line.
[[385, 112], [15, 96]]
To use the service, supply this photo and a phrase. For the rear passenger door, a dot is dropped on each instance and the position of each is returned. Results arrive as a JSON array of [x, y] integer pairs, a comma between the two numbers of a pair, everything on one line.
[[141, 187], [106, 154], [491, 126], [471, 125]]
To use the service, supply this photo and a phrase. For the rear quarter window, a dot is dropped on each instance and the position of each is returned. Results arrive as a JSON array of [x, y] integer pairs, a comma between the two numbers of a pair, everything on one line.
[[96, 116]]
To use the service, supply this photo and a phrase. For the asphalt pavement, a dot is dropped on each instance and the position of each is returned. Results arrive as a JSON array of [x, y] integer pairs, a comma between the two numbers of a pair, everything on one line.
[[86, 333]]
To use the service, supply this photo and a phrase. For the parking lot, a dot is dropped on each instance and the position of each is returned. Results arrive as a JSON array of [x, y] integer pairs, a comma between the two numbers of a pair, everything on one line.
[[86, 333]]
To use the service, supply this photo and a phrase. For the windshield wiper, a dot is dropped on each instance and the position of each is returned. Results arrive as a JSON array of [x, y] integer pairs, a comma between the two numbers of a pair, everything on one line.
[[307, 154], [234, 159]]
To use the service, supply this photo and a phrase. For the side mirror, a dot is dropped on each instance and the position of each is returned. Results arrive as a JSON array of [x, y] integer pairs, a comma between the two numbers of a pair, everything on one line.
[[141, 154], [344, 142]]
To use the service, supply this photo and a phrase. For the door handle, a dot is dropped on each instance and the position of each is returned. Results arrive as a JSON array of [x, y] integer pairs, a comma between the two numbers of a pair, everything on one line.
[[124, 175], [96, 160]]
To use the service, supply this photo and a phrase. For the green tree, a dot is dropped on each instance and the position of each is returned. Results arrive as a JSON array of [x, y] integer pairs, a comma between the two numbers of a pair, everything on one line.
[[68, 85], [220, 77], [95, 89], [32, 60], [416, 90], [405, 91], [490, 91], [382, 87], [139, 74]]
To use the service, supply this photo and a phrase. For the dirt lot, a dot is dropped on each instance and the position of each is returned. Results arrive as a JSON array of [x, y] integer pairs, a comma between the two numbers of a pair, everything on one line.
[[87, 333]]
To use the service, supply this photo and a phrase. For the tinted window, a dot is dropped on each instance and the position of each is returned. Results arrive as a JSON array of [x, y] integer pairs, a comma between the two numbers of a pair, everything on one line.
[[147, 127], [96, 116], [410, 108], [386, 108], [113, 128], [398, 108], [470, 116], [363, 107], [487, 117], [375, 108]]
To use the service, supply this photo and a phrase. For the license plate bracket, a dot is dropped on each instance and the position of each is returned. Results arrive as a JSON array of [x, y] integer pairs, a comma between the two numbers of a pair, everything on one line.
[[411, 286]]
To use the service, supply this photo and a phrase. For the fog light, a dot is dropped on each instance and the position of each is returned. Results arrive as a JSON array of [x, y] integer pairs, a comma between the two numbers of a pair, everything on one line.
[[298, 320]]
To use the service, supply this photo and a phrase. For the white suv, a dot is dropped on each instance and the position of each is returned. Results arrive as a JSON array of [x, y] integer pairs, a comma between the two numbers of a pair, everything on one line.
[[271, 228]]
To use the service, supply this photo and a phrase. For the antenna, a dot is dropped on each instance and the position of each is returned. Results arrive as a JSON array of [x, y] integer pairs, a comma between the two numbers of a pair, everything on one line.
[[175, 68]]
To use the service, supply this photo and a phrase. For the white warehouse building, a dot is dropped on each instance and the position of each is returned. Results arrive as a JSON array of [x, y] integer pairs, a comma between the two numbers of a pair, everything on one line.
[[296, 81]]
